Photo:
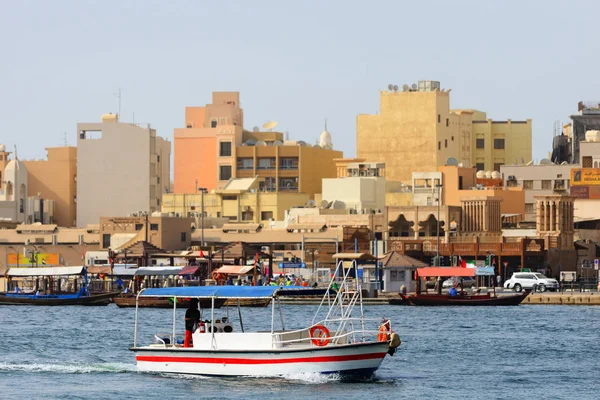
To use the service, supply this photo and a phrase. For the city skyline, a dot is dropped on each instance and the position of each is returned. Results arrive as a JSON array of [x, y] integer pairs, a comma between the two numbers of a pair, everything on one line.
[[294, 63]]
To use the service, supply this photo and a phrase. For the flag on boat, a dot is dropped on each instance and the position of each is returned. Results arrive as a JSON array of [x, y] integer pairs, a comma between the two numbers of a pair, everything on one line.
[[202, 254], [462, 262]]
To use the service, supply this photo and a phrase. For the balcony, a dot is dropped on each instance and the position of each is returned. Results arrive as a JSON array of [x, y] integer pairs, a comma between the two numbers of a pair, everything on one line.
[[288, 164]]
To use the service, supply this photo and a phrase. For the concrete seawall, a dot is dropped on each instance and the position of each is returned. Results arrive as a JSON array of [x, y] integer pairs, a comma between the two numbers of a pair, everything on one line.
[[575, 298]]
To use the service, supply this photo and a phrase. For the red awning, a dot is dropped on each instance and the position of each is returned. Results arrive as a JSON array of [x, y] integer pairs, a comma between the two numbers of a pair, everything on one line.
[[189, 270], [445, 271]]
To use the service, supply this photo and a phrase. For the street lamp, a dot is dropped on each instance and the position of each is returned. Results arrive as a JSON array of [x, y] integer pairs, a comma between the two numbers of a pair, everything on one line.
[[202, 191], [439, 188]]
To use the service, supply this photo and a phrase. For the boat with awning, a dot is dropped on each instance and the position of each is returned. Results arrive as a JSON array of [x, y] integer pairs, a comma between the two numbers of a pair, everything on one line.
[[336, 341]]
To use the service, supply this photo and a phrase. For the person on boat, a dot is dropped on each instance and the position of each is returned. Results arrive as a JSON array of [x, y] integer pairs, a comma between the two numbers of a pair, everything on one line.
[[439, 285], [452, 292], [192, 317], [229, 281], [304, 283]]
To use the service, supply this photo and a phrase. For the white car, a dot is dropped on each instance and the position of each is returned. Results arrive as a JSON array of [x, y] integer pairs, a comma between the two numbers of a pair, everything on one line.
[[528, 280]]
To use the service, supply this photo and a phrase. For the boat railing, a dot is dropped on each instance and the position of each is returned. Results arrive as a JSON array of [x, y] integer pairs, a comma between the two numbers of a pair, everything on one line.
[[338, 332]]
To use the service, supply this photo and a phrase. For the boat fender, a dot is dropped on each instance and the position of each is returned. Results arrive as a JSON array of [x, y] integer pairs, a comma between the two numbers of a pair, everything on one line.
[[320, 335], [394, 343]]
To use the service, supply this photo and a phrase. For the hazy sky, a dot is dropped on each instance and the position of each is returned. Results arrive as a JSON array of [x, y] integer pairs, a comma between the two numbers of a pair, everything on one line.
[[296, 62]]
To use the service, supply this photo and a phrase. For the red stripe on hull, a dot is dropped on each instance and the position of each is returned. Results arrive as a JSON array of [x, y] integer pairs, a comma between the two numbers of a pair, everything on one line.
[[352, 357]]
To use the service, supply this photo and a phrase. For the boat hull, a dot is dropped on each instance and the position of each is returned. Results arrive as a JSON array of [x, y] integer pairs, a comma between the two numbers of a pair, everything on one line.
[[467, 300], [355, 360], [32, 300]]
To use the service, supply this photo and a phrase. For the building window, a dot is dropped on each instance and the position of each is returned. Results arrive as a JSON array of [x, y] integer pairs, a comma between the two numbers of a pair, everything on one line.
[[288, 184], [499, 144], [153, 227], [229, 197], [138, 227], [245, 163], [529, 208], [247, 215], [268, 185], [21, 206], [106, 240], [439, 118], [213, 123], [546, 184], [497, 166], [528, 184], [480, 143], [158, 158], [183, 236], [479, 166], [266, 163], [158, 180], [439, 145], [460, 183], [288, 163], [225, 172], [447, 122], [225, 149], [446, 143], [266, 215], [452, 138]]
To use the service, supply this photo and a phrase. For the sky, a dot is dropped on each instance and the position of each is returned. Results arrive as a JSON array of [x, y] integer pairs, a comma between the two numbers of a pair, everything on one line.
[[297, 63]]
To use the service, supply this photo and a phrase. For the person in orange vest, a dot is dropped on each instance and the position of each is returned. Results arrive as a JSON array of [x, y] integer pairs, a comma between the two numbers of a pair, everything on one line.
[[384, 331]]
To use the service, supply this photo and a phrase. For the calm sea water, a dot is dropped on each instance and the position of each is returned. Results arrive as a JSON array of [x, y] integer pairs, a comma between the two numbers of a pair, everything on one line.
[[494, 353]]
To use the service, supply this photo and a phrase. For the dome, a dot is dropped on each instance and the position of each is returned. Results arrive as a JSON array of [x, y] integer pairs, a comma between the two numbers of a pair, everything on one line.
[[325, 140]]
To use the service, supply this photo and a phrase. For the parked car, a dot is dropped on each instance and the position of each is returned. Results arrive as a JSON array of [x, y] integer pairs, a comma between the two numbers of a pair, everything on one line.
[[468, 282], [528, 280]]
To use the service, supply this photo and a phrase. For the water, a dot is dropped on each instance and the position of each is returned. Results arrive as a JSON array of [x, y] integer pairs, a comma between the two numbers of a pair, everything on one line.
[[527, 351]]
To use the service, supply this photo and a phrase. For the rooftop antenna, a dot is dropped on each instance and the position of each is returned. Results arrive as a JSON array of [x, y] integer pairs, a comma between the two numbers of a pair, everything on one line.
[[118, 94], [325, 123], [65, 138]]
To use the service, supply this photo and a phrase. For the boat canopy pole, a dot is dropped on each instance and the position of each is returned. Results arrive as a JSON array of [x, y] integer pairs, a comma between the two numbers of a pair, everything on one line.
[[272, 315], [280, 314], [174, 317], [240, 315], [212, 321], [137, 298]]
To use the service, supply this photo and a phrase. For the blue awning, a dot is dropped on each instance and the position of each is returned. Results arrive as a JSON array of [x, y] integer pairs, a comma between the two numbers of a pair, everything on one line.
[[231, 292]]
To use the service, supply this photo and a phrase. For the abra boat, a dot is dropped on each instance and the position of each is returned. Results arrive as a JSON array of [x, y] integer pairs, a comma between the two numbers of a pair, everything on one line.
[[53, 297], [460, 298], [335, 342]]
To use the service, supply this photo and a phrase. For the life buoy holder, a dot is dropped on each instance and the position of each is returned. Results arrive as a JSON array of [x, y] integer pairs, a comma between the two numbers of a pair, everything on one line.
[[320, 335]]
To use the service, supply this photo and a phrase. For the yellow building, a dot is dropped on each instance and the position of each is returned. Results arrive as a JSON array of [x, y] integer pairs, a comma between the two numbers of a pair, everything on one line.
[[291, 167], [241, 200], [496, 143], [414, 131]]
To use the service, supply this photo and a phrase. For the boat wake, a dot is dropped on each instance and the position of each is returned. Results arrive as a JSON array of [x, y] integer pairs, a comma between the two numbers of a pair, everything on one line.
[[117, 368], [312, 377]]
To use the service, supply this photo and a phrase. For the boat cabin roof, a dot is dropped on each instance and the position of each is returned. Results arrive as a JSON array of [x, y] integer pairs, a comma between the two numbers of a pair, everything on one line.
[[46, 271], [445, 271], [232, 292]]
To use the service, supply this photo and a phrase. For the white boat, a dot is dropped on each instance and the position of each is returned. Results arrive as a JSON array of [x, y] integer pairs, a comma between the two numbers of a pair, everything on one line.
[[337, 343]]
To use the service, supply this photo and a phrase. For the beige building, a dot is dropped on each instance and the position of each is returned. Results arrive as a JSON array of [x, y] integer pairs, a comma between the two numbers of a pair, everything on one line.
[[122, 168], [13, 192], [166, 233], [56, 179], [416, 130], [241, 200]]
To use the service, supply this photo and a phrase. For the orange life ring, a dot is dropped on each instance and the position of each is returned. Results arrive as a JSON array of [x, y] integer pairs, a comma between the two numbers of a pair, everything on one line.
[[322, 338]]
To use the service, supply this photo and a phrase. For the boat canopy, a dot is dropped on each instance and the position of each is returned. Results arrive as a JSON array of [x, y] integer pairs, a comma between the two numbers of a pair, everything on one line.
[[46, 271], [232, 292], [235, 269], [154, 271], [445, 271]]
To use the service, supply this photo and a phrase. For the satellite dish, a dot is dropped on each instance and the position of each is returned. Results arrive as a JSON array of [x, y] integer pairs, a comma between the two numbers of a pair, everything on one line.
[[405, 88], [310, 203], [256, 129], [270, 125], [324, 203], [395, 88], [329, 204], [250, 142], [261, 143], [488, 174], [390, 86], [414, 86], [545, 161], [277, 143], [451, 161]]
